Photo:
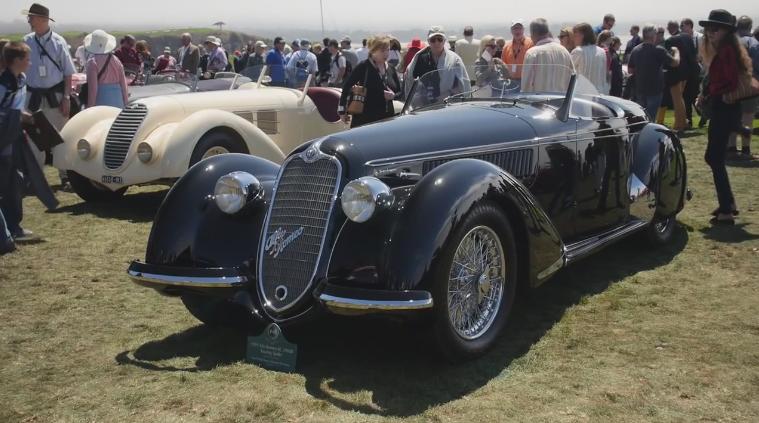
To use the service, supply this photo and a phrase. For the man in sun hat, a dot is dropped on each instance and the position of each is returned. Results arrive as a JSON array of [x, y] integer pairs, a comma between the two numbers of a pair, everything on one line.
[[451, 77], [515, 50], [217, 58], [49, 77]]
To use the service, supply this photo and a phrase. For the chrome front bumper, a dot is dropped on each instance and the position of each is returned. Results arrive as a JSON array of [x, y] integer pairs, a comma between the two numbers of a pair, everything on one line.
[[344, 300], [168, 278]]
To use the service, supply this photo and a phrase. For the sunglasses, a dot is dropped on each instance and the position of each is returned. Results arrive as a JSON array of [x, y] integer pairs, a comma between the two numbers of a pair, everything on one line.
[[491, 46], [437, 39]]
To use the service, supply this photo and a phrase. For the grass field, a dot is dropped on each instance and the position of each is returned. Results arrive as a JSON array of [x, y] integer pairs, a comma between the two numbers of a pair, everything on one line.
[[631, 334]]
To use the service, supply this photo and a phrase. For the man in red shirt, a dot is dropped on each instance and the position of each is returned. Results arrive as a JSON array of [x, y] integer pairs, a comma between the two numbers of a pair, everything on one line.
[[128, 54]]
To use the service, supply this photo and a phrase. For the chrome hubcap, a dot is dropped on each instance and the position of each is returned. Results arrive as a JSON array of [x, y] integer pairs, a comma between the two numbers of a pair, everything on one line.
[[214, 151], [476, 283]]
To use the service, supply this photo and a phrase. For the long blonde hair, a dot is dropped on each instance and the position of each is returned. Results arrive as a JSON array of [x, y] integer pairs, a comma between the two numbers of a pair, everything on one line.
[[708, 51]]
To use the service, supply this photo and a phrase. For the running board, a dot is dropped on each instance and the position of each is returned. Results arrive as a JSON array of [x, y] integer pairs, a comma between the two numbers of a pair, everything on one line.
[[584, 248]]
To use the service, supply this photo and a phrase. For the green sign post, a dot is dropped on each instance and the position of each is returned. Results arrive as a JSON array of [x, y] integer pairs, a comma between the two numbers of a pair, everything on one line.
[[271, 350]]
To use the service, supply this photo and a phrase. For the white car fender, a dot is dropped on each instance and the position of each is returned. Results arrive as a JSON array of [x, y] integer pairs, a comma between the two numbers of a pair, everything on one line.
[[175, 152], [91, 124]]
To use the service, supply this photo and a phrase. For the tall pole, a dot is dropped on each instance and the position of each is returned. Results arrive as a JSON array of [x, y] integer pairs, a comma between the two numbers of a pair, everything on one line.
[[321, 9]]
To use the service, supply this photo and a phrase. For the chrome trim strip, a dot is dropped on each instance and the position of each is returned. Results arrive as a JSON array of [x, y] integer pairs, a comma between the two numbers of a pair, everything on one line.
[[581, 249], [189, 281], [316, 154], [550, 270], [332, 301], [490, 148]]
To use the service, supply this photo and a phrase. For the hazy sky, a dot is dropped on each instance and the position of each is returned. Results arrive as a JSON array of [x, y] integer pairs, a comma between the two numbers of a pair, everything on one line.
[[357, 14]]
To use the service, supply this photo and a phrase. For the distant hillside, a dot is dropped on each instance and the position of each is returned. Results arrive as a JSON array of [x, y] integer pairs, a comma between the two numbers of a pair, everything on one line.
[[159, 39]]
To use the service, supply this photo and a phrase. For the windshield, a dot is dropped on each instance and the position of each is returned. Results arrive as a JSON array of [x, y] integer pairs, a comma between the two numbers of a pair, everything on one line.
[[172, 76], [495, 81]]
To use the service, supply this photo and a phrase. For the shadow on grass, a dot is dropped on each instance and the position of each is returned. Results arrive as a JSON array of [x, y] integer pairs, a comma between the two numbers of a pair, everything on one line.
[[395, 359], [729, 234], [136, 208]]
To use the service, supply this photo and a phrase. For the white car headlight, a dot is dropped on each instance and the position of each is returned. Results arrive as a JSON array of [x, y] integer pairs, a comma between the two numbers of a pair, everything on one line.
[[362, 197], [84, 149], [235, 190], [145, 152]]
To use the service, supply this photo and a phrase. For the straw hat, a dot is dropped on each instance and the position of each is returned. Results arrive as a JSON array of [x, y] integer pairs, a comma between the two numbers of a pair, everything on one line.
[[99, 42]]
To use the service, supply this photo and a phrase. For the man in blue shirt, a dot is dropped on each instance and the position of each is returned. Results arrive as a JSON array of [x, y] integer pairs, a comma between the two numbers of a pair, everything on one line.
[[275, 60], [607, 24]]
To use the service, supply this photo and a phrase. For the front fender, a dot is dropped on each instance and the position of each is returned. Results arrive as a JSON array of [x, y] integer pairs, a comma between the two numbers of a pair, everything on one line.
[[91, 124], [189, 229], [176, 147], [428, 218]]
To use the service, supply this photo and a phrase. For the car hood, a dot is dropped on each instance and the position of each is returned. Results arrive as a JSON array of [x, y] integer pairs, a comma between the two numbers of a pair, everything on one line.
[[429, 133]]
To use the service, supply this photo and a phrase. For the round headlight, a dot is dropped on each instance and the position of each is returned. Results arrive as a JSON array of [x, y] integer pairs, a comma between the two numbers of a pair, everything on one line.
[[362, 196], [84, 149], [145, 152], [235, 190]]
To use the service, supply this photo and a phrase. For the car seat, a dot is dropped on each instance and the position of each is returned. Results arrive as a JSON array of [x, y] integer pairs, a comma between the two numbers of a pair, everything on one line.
[[326, 101]]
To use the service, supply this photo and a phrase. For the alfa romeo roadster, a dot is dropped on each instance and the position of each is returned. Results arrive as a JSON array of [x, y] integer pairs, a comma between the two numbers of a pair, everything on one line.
[[445, 210], [157, 139]]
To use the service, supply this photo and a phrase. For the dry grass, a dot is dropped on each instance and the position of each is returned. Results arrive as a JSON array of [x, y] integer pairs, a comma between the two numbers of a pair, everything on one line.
[[632, 334]]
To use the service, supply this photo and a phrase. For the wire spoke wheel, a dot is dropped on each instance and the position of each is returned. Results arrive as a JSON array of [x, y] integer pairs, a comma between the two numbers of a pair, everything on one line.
[[476, 282]]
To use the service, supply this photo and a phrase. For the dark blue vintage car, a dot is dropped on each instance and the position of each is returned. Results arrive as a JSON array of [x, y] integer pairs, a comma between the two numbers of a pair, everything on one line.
[[444, 209]]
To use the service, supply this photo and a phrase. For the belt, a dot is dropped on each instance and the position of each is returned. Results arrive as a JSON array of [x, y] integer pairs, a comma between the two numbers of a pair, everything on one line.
[[50, 94]]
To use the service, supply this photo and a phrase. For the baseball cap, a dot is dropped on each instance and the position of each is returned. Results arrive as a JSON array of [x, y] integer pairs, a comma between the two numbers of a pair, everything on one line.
[[516, 22], [436, 30]]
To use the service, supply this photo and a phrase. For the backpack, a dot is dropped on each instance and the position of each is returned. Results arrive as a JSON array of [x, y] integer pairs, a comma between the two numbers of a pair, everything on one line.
[[348, 66], [301, 67]]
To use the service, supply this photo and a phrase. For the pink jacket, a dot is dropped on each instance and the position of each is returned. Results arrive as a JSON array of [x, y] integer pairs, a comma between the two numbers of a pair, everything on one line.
[[113, 75]]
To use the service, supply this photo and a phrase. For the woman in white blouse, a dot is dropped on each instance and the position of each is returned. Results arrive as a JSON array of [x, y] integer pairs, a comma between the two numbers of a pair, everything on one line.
[[590, 60]]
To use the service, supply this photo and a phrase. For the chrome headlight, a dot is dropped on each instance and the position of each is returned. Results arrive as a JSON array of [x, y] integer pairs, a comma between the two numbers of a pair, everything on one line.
[[362, 197], [145, 152], [235, 190], [84, 149]]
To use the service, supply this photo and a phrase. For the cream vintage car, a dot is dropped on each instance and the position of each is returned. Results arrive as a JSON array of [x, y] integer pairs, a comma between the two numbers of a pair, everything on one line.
[[157, 139]]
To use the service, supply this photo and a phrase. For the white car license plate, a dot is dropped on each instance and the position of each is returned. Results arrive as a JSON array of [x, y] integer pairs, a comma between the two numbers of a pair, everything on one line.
[[110, 179]]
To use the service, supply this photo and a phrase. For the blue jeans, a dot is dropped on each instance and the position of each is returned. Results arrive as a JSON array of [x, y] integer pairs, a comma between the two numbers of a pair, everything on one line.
[[651, 104]]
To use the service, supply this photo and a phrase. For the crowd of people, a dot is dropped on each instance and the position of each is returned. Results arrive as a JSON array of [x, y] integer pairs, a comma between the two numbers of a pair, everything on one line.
[[685, 71]]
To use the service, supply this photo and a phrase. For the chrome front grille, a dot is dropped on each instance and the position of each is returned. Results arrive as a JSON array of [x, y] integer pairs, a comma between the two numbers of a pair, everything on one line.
[[295, 229], [121, 135]]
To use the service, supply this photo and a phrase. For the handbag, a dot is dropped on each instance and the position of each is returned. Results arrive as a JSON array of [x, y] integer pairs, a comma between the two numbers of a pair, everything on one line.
[[358, 96], [83, 94], [748, 87]]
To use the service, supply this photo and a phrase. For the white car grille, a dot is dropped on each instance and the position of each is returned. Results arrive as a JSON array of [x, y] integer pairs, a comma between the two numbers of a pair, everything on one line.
[[122, 133]]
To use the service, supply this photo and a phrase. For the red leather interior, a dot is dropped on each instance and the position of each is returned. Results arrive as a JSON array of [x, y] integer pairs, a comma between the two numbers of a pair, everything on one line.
[[326, 101]]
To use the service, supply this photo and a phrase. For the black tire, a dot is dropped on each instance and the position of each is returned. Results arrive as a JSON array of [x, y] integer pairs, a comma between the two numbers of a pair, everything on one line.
[[452, 345], [90, 191], [661, 230], [213, 139], [214, 311]]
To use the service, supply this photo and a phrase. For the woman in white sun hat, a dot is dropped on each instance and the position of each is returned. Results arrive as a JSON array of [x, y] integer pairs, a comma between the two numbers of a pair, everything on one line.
[[106, 83]]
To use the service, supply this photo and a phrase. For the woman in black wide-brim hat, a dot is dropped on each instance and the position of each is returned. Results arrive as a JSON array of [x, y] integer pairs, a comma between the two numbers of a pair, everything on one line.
[[725, 58]]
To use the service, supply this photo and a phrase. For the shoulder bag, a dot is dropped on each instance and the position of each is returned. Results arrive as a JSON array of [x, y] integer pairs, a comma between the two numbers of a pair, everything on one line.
[[358, 95], [748, 87]]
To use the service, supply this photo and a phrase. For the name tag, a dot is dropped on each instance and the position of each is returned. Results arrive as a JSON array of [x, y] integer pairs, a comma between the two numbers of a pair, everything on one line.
[[43, 72], [513, 68]]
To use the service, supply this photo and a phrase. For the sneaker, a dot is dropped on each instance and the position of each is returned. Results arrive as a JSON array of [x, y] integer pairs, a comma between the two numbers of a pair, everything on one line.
[[24, 235], [66, 187]]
